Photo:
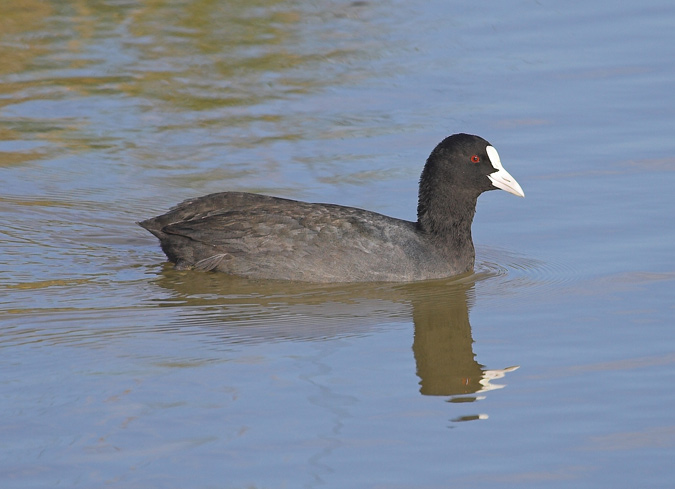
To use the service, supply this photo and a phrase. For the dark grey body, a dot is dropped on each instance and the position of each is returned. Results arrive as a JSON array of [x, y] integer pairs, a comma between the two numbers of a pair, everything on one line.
[[259, 236]]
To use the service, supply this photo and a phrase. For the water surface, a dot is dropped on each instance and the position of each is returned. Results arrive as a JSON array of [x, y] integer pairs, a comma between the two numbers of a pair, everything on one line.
[[550, 366]]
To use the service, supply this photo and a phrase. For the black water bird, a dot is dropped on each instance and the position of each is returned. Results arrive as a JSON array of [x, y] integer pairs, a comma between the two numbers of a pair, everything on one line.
[[263, 237]]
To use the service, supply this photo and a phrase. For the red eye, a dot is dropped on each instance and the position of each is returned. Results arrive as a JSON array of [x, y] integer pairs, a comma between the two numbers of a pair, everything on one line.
[[475, 159]]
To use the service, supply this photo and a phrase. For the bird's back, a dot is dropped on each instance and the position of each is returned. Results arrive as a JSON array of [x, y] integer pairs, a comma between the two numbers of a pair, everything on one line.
[[259, 236]]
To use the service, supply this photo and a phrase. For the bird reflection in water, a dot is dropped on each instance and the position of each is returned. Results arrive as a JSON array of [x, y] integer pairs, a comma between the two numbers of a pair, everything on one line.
[[245, 311], [443, 348]]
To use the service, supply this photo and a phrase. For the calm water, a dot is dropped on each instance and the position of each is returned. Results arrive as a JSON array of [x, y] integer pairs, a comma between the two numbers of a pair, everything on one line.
[[552, 366]]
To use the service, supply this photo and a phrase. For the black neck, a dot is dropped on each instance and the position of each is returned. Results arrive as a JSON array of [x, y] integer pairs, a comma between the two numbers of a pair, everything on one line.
[[447, 220]]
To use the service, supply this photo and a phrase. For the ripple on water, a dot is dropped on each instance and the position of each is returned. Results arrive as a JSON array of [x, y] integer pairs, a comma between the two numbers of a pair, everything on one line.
[[503, 273]]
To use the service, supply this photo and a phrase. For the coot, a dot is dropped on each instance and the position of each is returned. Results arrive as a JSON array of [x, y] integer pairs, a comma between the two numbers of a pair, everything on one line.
[[263, 237]]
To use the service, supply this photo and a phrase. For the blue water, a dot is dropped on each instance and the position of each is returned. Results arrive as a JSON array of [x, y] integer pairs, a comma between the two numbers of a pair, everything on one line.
[[549, 367]]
